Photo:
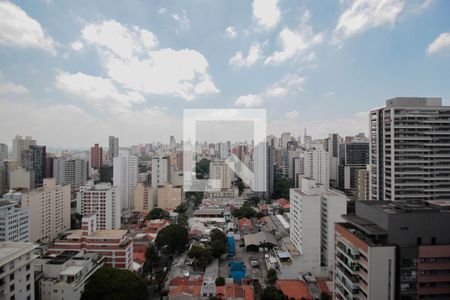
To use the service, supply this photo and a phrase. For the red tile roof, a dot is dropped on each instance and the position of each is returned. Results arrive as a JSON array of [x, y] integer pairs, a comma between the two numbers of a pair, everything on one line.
[[294, 289], [235, 291], [186, 290], [177, 281]]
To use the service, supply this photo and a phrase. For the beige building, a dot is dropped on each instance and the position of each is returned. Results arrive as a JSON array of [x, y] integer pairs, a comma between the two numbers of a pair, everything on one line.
[[144, 197], [219, 170], [169, 196], [362, 184], [49, 210], [21, 179]]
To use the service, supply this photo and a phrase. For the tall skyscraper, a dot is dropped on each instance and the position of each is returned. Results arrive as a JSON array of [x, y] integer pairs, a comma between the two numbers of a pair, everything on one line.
[[113, 148], [96, 157], [35, 159], [3, 152], [409, 149], [173, 143], [71, 171], [103, 200], [285, 138], [353, 156], [49, 210], [160, 171], [314, 210], [19, 144], [316, 165], [125, 176]]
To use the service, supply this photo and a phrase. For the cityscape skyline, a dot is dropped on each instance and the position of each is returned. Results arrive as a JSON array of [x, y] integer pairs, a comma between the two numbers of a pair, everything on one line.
[[310, 67]]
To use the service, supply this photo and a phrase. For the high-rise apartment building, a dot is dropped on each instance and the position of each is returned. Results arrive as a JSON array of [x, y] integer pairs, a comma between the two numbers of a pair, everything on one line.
[[316, 165], [394, 250], [332, 146], [410, 153], [3, 152], [160, 171], [35, 158], [103, 200], [73, 171], [14, 225], [16, 271], [125, 176], [285, 138], [314, 210], [4, 182], [113, 148], [353, 156], [219, 170], [144, 197], [362, 184], [19, 144], [96, 157], [49, 210]]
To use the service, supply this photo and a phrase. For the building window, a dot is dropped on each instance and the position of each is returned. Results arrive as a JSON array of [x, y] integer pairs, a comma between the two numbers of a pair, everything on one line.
[[433, 240], [419, 240]]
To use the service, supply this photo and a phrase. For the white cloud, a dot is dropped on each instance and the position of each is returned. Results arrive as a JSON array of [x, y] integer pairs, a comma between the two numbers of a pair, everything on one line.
[[98, 92], [239, 60], [182, 19], [12, 88], [231, 32], [296, 43], [17, 29], [77, 46], [292, 114], [289, 84], [328, 94], [131, 59], [250, 100], [120, 40], [162, 10], [132, 127], [266, 13], [441, 43], [362, 15], [319, 128]]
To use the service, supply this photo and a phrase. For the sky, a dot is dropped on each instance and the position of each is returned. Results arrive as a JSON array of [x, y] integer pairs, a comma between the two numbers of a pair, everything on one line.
[[74, 72]]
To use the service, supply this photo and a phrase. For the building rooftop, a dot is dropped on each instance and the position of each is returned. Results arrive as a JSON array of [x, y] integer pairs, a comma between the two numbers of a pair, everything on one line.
[[408, 206], [71, 271], [364, 225], [63, 257], [9, 251], [109, 233], [413, 102]]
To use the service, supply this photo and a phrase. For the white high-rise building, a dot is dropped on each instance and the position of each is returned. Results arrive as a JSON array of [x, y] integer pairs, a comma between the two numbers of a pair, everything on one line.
[[73, 171], [219, 170], [103, 200], [316, 165], [160, 171], [409, 150], [285, 138], [16, 271], [49, 210], [14, 224], [314, 210], [125, 176], [19, 144]]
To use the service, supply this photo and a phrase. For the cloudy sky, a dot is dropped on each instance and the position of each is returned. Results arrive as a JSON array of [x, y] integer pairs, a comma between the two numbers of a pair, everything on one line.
[[74, 72]]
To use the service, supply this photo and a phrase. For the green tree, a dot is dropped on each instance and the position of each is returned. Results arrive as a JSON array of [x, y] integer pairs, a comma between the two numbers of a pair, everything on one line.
[[182, 208], [243, 212], [157, 213], [172, 239], [259, 215], [218, 248], [114, 284], [152, 259], [182, 220], [272, 293], [202, 256], [217, 234], [202, 168], [281, 188], [220, 281], [272, 276]]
